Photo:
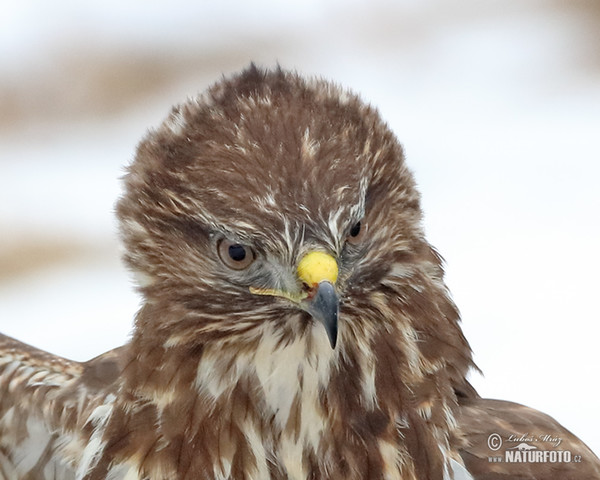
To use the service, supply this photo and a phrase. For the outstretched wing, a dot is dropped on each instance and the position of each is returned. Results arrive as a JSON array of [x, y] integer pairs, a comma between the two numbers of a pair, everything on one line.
[[508, 441], [46, 406]]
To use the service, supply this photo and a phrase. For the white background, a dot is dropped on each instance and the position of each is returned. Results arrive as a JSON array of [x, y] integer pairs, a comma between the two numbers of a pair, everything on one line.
[[497, 104]]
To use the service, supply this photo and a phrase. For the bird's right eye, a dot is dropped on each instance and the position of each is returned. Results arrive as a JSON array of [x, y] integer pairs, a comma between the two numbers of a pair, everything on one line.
[[235, 255]]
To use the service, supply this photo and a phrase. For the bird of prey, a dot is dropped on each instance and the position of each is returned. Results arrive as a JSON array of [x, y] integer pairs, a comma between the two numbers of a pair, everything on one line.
[[295, 322]]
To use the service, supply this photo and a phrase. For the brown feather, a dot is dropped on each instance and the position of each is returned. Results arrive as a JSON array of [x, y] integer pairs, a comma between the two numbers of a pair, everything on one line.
[[479, 418], [218, 382]]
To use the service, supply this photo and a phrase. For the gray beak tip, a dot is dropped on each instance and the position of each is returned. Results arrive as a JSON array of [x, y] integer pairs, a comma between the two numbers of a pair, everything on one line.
[[324, 307]]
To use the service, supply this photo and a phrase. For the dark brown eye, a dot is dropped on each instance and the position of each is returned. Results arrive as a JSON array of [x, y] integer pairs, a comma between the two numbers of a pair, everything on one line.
[[357, 233], [235, 255]]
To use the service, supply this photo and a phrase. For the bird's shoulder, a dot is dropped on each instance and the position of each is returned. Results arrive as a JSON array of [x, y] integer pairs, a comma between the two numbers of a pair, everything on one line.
[[46, 401], [21, 362], [505, 440]]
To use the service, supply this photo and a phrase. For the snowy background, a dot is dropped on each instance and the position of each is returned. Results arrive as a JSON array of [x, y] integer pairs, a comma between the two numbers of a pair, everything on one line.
[[497, 104]]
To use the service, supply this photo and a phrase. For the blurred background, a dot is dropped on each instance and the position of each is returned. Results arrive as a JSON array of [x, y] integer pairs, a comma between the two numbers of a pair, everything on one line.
[[497, 104]]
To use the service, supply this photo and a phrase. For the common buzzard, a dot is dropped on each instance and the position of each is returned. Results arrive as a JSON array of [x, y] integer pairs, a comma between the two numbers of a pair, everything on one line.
[[295, 322]]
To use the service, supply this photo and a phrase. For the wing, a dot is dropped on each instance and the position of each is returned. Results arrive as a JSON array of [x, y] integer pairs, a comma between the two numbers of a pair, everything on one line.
[[46, 405], [508, 441]]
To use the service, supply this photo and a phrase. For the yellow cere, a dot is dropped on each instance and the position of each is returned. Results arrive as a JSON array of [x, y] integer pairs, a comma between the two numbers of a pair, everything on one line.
[[316, 266], [313, 268]]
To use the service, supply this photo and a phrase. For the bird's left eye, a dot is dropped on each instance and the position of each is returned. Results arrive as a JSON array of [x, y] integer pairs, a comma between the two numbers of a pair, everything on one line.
[[235, 255], [357, 233]]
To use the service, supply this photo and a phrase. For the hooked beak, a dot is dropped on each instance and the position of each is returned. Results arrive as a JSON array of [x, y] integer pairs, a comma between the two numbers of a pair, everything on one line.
[[324, 306], [319, 271]]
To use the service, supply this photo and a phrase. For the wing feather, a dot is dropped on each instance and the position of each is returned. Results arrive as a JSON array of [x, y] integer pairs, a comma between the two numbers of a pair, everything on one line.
[[45, 404], [488, 425]]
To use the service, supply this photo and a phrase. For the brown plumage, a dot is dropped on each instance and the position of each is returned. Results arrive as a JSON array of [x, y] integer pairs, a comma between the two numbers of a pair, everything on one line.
[[295, 321]]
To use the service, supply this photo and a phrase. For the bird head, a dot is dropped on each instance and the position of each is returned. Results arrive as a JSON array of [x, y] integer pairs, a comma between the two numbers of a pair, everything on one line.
[[275, 232], [271, 199]]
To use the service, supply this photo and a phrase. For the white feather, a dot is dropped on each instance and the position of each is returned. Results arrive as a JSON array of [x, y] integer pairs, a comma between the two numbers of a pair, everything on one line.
[[99, 418], [459, 472]]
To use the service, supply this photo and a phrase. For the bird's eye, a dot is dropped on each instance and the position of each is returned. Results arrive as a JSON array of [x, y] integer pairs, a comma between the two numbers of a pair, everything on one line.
[[357, 233], [235, 255]]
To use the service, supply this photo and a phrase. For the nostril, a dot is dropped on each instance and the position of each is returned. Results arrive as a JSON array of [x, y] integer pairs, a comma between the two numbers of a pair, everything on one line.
[[310, 291]]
